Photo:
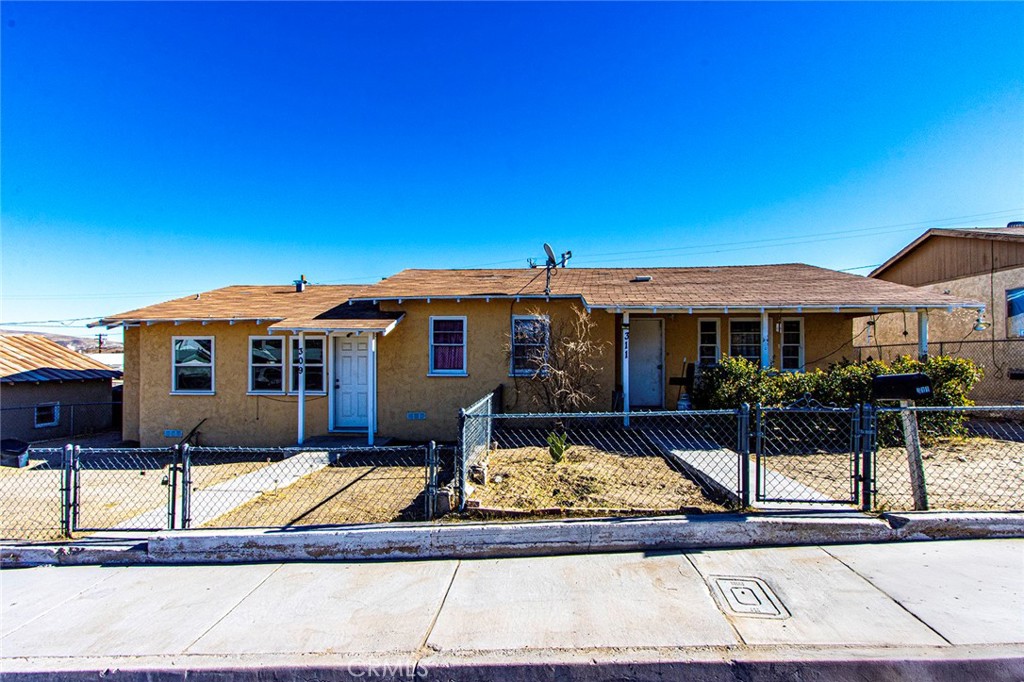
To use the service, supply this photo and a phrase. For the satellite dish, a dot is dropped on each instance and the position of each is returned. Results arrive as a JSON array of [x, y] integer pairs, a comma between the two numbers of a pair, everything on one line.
[[551, 254]]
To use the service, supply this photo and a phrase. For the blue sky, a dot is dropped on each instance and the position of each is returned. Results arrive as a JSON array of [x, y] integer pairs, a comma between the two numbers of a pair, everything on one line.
[[152, 150]]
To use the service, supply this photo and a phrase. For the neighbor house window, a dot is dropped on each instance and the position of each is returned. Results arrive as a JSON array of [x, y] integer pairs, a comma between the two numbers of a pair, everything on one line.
[[707, 342], [792, 345], [1014, 313], [745, 339], [529, 344], [314, 361], [266, 365], [447, 345], [192, 364], [47, 414]]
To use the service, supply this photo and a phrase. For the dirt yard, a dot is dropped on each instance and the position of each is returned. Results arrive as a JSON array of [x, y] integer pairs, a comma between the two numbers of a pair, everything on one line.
[[335, 495], [960, 473], [586, 479]]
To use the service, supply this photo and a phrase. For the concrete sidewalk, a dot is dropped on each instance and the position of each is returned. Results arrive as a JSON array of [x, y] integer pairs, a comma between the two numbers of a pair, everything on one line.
[[905, 611]]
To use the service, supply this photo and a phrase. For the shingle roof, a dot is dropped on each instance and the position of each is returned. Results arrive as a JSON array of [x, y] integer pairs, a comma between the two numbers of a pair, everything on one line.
[[29, 357], [751, 286], [1010, 234]]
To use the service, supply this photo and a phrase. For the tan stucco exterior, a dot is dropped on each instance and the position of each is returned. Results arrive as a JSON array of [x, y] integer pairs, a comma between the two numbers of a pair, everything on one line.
[[404, 383]]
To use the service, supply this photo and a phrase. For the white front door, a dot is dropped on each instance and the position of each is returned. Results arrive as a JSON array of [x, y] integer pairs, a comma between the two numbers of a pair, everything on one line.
[[351, 382], [646, 362]]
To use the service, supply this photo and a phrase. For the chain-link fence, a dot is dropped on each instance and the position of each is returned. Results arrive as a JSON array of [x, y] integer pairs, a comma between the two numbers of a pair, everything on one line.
[[475, 431], [61, 492], [1001, 359], [969, 458], [603, 463], [55, 423]]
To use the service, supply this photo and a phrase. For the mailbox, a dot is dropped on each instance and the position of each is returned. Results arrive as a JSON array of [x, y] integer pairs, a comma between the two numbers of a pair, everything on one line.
[[901, 387]]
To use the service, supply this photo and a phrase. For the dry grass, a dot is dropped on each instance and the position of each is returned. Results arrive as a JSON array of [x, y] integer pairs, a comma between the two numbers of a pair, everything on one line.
[[335, 495], [960, 473], [30, 502], [587, 478]]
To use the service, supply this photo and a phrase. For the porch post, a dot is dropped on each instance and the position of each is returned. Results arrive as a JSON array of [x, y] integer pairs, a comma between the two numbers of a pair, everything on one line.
[[625, 366], [766, 348], [301, 357], [371, 393], [922, 334]]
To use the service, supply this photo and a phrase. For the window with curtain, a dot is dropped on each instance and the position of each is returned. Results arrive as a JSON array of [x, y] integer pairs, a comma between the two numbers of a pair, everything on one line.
[[745, 339], [447, 345], [529, 344], [1015, 313]]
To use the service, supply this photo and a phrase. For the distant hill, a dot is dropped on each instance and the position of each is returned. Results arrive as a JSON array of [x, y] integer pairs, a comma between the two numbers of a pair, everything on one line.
[[76, 343]]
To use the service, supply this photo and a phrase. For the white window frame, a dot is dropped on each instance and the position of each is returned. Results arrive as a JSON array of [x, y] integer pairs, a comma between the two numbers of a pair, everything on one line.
[[783, 344], [718, 337], [293, 385], [757, 360], [56, 415], [512, 371], [283, 365], [213, 366], [430, 348], [1009, 319]]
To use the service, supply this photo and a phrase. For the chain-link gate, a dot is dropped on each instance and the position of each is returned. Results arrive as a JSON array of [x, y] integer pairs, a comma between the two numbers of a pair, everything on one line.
[[811, 453]]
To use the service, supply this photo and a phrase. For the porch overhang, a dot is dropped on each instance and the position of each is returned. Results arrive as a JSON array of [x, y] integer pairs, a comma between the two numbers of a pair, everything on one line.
[[382, 325]]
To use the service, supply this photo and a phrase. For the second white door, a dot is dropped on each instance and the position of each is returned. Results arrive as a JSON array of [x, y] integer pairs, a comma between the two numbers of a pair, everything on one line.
[[351, 383], [646, 363]]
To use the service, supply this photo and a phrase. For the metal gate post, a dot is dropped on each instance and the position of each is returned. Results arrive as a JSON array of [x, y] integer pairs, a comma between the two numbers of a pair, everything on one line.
[[856, 452], [758, 449], [186, 486], [76, 487], [66, 481], [868, 446], [460, 455], [172, 487], [743, 448], [430, 501]]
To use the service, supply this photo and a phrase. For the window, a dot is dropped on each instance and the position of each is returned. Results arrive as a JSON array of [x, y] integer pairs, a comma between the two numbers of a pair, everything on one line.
[[792, 345], [47, 414], [266, 365], [1014, 313], [314, 360], [745, 339], [192, 364], [707, 342], [529, 344], [447, 345]]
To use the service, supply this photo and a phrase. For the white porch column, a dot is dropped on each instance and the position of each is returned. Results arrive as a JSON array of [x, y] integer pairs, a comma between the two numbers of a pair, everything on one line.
[[625, 366], [766, 347], [922, 334], [301, 358], [371, 393]]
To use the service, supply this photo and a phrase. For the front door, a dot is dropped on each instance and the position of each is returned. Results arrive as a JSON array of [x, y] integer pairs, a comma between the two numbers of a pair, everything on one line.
[[351, 382], [646, 362]]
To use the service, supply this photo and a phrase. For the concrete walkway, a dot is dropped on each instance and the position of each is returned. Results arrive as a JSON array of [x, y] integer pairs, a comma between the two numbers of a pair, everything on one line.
[[925, 610]]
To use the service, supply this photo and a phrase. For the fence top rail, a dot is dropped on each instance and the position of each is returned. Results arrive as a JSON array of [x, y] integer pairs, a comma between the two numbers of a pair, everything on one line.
[[954, 408], [226, 450], [640, 414], [123, 451], [45, 451], [823, 409], [475, 408]]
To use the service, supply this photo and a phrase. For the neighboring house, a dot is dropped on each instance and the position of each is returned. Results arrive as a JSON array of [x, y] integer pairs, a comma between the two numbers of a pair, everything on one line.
[[41, 383], [400, 357], [983, 264]]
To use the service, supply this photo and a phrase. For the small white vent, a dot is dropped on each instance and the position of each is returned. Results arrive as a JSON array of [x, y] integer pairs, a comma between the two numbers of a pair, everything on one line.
[[641, 278]]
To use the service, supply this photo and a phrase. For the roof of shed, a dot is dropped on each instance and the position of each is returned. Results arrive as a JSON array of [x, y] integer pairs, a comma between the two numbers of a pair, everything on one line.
[[32, 358], [1011, 234]]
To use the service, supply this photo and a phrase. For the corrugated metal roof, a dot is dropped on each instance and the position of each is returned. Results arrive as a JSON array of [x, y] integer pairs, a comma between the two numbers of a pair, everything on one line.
[[32, 358]]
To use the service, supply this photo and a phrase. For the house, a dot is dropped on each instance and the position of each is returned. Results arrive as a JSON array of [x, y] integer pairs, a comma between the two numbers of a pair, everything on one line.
[[400, 357], [49, 391], [983, 264]]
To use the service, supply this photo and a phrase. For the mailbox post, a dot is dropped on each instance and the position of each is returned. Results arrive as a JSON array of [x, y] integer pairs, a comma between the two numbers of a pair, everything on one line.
[[906, 388]]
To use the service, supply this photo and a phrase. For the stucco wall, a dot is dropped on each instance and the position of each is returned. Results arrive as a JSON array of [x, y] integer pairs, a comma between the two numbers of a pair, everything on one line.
[[92, 414], [131, 377], [232, 416]]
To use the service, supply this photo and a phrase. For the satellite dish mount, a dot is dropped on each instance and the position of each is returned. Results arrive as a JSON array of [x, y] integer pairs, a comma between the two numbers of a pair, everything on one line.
[[551, 264]]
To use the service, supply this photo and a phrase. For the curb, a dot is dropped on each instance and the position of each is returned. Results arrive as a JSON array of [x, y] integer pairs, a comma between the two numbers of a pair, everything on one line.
[[716, 664], [480, 540]]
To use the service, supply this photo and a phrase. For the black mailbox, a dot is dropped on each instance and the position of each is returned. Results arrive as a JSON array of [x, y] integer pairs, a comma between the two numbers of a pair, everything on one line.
[[901, 387]]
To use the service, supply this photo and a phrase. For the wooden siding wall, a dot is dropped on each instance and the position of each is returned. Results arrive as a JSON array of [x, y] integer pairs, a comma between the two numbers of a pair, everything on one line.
[[940, 259]]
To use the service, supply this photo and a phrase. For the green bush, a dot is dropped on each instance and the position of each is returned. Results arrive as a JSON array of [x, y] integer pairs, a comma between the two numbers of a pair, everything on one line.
[[735, 381]]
